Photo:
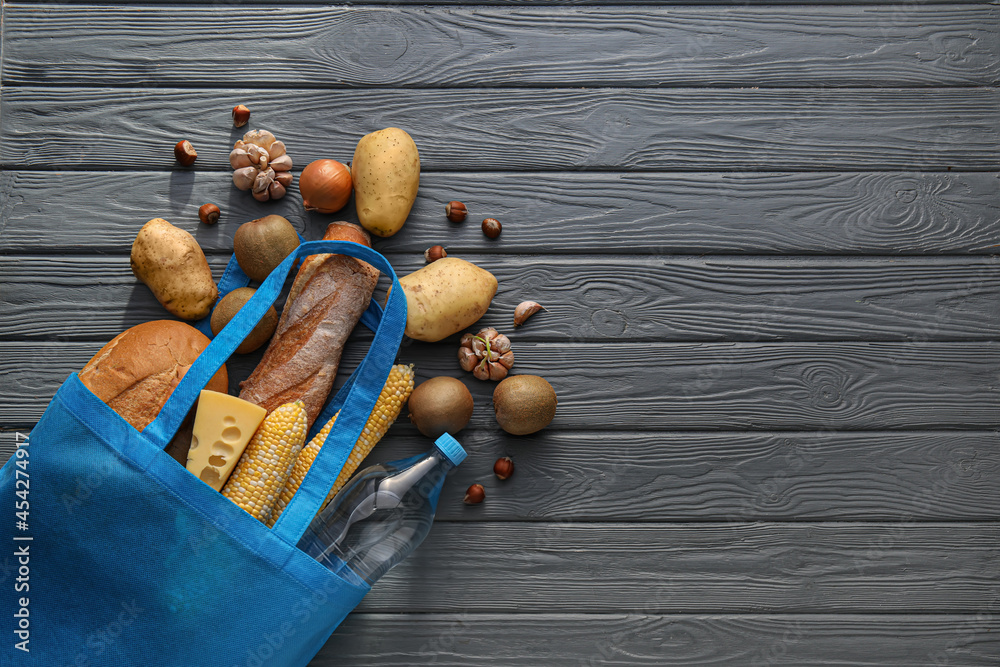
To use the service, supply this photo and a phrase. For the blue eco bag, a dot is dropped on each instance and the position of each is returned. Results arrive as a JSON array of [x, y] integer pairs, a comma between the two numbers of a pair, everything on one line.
[[124, 558]]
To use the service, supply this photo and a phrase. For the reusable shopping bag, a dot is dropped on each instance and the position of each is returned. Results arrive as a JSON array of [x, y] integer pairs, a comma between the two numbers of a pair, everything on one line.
[[116, 555]]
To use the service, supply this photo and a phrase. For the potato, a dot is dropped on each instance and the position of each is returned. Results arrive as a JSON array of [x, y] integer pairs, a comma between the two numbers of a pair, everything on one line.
[[386, 174], [171, 263], [445, 297]]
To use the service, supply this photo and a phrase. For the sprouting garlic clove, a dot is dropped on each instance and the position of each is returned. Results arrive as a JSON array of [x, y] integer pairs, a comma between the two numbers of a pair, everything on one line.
[[276, 190], [467, 359], [481, 372], [524, 310], [283, 163], [244, 177], [467, 340], [262, 138], [276, 149], [489, 333], [479, 347], [239, 158], [263, 181], [283, 177]]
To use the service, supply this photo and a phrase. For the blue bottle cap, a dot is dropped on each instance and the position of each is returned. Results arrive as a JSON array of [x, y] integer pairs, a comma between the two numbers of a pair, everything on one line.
[[449, 446]]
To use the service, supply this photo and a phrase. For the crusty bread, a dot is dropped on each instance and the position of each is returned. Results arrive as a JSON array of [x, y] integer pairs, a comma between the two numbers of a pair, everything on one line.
[[137, 371], [326, 300]]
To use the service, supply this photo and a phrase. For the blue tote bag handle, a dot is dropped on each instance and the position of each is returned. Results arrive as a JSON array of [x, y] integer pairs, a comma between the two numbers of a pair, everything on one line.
[[362, 391], [233, 277]]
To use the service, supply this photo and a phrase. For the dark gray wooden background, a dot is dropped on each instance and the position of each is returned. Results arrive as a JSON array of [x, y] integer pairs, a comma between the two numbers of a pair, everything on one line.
[[765, 235]]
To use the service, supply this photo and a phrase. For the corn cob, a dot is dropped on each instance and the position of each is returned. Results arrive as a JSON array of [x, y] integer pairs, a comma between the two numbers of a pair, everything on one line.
[[390, 402], [267, 461]]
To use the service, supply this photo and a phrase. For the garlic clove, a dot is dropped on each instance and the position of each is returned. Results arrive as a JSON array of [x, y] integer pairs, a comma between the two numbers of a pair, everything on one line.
[[262, 138], [524, 310], [479, 347], [500, 344], [258, 156], [283, 163], [481, 372], [239, 158], [497, 372], [261, 196], [467, 340], [240, 144], [244, 177], [489, 334], [506, 360], [276, 149], [263, 181], [467, 359], [283, 177], [276, 190]]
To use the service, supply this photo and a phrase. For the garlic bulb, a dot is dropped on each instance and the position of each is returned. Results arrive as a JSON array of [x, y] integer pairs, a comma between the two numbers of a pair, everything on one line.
[[487, 354], [261, 165]]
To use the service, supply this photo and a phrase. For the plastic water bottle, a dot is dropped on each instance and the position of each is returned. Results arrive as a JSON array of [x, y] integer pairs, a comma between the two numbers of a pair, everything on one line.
[[383, 514]]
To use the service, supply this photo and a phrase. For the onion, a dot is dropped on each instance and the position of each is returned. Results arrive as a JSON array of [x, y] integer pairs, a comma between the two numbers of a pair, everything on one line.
[[325, 186]]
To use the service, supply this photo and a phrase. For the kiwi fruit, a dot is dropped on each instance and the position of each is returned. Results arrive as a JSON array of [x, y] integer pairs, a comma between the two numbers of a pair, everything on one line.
[[226, 310], [261, 244], [524, 404], [439, 405]]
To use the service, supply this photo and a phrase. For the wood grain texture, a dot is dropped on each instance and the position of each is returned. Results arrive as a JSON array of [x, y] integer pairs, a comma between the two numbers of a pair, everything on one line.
[[556, 3], [565, 212], [607, 298], [518, 129], [572, 640], [664, 476], [695, 568], [320, 47], [731, 477], [672, 386]]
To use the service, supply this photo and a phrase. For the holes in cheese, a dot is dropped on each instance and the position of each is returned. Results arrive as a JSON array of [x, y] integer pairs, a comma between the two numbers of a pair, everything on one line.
[[228, 423]]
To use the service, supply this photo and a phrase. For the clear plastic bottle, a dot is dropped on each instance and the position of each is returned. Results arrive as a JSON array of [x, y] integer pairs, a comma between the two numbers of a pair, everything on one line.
[[383, 514]]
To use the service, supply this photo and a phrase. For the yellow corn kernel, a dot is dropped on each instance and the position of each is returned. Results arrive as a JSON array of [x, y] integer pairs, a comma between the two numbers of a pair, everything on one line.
[[397, 389], [260, 475]]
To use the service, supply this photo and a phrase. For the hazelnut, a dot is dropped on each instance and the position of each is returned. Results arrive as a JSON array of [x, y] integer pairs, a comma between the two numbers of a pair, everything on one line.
[[185, 153], [491, 227], [455, 211], [503, 468], [434, 253], [209, 214], [475, 495], [241, 115]]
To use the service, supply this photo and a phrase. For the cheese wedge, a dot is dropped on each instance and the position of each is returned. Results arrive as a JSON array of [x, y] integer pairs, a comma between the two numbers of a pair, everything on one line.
[[223, 426]]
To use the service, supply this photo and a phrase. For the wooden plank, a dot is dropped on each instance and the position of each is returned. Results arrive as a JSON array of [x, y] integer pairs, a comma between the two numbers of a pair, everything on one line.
[[517, 3], [572, 640], [595, 298], [319, 47], [518, 129], [695, 568], [732, 477], [663, 476], [593, 212], [672, 386]]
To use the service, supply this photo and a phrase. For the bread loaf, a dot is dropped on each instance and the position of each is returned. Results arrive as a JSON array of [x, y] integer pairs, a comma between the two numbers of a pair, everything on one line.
[[137, 371], [326, 300]]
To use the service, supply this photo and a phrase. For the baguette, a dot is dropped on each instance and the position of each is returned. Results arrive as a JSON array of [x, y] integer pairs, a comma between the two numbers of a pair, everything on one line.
[[326, 300]]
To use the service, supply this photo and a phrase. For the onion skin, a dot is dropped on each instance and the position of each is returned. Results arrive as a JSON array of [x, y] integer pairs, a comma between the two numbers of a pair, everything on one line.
[[326, 186]]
